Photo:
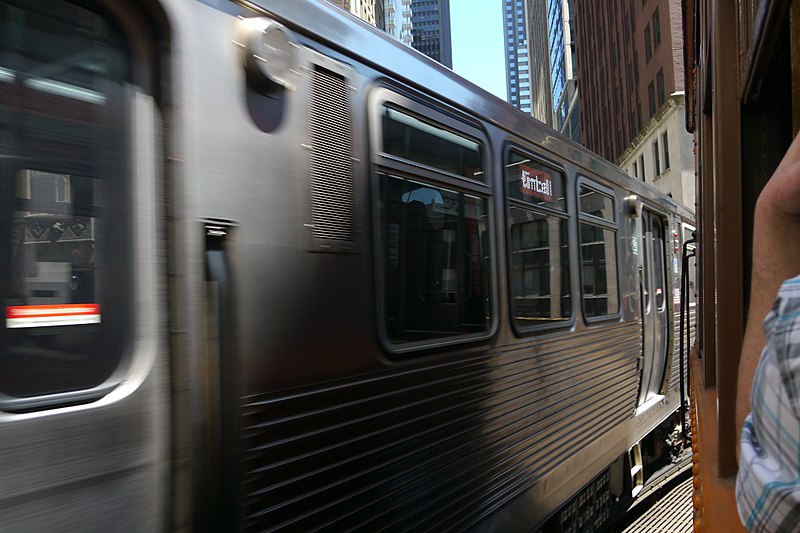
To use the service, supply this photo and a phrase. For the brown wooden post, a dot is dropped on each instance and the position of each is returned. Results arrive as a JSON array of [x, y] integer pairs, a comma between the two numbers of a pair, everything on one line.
[[728, 257]]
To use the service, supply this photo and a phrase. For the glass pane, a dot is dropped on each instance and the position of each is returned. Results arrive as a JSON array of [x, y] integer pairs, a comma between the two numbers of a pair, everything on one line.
[[539, 268], [534, 183], [64, 200], [435, 254], [432, 145], [659, 277], [597, 204], [646, 263], [599, 269]]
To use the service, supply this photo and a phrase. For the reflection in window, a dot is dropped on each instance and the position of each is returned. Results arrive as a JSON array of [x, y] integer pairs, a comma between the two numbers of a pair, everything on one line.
[[435, 256], [63, 137], [424, 142], [598, 254], [539, 268]]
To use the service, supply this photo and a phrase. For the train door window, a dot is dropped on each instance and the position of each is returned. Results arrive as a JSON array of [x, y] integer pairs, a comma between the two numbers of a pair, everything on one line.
[[539, 278], [598, 237], [659, 274], [433, 251], [687, 232], [64, 196]]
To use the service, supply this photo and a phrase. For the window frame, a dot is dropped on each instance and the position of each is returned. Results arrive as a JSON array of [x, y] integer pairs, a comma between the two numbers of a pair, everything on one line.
[[566, 215], [581, 218], [382, 162]]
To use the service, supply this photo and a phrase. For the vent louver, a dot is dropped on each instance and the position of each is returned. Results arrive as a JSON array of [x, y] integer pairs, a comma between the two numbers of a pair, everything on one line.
[[331, 157]]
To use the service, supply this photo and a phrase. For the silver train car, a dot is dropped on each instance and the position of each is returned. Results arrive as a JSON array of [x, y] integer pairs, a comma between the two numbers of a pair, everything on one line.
[[267, 269]]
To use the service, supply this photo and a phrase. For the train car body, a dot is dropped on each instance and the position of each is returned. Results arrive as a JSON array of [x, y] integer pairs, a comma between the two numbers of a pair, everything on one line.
[[268, 269]]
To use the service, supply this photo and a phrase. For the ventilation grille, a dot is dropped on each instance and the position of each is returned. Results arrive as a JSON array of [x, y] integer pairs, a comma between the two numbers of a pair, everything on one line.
[[331, 162]]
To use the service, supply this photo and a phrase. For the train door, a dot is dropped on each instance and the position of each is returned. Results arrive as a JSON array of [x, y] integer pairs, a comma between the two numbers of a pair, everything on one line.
[[83, 383], [654, 306]]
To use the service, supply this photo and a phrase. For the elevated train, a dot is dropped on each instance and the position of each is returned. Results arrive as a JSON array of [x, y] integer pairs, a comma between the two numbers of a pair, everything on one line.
[[266, 268]]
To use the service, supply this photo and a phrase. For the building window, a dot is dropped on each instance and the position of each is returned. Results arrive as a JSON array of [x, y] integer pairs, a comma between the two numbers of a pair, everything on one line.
[[638, 117], [665, 148], [629, 77], [641, 167], [660, 86], [656, 160], [651, 97], [648, 44], [656, 28], [635, 169], [632, 22]]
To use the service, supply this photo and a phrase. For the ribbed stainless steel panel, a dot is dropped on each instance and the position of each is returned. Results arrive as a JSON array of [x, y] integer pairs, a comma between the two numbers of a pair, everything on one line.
[[437, 446]]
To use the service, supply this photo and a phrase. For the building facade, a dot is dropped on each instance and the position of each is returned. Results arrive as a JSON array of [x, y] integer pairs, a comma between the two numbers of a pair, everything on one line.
[[630, 70], [518, 75], [663, 152], [430, 20]]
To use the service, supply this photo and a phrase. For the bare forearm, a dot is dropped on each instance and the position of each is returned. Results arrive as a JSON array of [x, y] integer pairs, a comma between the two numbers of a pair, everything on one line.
[[776, 257]]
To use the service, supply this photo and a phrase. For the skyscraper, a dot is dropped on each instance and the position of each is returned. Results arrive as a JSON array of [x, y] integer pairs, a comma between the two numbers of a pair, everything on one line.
[[430, 20], [366, 10], [539, 60], [560, 31], [398, 20], [518, 74]]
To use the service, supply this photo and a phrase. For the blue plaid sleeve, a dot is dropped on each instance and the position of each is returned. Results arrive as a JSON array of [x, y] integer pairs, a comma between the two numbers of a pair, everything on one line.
[[768, 484]]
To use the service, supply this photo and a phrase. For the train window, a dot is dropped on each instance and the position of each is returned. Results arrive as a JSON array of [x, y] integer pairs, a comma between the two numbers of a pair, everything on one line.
[[413, 139], [64, 216], [598, 237], [597, 204], [539, 245], [435, 256]]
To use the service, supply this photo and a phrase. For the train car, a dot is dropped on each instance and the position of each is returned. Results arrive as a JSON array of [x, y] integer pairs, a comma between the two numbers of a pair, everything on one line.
[[266, 268], [742, 107]]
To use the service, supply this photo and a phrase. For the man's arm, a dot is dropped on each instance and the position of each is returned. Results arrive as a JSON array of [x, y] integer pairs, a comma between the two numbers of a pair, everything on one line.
[[776, 257]]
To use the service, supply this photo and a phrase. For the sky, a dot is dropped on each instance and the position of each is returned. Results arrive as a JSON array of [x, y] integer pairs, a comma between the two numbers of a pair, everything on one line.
[[477, 39]]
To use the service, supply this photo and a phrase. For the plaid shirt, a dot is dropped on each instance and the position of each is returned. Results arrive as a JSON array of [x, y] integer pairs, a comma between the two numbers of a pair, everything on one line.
[[768, 483]]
